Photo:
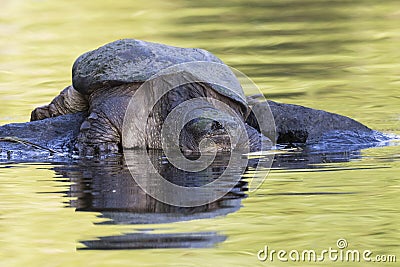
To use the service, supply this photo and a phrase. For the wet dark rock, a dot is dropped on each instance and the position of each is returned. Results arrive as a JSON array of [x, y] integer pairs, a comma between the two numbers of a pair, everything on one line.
[[294, 124], [303, 125], [40, 139]]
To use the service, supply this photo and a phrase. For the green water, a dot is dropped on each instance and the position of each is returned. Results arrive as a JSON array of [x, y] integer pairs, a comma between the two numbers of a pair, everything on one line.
[[341, 56]]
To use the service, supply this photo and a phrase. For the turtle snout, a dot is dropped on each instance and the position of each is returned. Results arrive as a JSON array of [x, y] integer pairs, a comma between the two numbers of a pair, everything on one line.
[[217, 135], [222, 127], [221, 134]]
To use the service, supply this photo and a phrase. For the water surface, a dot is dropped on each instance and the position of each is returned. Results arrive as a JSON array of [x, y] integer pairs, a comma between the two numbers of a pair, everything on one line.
[[341, 56]]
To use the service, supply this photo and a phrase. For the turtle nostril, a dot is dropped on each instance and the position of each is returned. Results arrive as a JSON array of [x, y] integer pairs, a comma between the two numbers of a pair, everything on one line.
[[216, 126]]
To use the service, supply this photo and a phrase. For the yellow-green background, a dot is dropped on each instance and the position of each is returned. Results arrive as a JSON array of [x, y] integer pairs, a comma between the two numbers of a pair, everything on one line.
[[339, 55]]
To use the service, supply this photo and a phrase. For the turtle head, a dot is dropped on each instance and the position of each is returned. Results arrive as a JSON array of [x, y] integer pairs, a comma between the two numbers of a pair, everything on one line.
[[208, 135]]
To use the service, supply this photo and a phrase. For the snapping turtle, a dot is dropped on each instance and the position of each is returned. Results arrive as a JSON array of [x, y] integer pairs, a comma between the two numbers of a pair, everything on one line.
[[106, 79]]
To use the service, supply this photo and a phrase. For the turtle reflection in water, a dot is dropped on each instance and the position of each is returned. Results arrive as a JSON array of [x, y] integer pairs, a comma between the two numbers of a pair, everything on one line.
[[108, 187]]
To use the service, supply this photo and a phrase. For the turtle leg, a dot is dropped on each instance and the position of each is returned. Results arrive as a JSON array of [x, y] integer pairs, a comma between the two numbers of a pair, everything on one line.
[[100, 133], [68, 101]]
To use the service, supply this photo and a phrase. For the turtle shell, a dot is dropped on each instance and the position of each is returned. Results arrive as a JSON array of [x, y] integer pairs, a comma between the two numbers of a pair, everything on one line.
[[130, 60]]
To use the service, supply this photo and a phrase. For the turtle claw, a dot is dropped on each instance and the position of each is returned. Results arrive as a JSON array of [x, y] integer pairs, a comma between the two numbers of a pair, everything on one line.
[[97, 136], [91, 150], [40, 113]]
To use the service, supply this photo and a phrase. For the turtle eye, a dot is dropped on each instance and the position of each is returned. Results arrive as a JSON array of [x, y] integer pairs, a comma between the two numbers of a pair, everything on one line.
[[216, 126]]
